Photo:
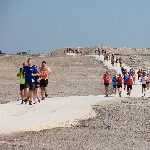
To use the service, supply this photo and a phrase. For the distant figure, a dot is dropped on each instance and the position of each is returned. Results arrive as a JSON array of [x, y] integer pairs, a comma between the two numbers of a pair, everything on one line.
[[114, 81], [144, 79], [99, 52], [106, 78], [139, 73], [102, 51], [67, 50], [119, 86], [129, 85]]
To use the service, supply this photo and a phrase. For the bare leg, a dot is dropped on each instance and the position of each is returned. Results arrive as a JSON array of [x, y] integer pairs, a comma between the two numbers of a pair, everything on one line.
[[42, 92], [31, 95], [106, 90]]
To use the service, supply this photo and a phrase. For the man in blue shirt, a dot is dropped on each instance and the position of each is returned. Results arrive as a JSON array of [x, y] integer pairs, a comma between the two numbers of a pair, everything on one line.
[[30, 73], [114, 81]]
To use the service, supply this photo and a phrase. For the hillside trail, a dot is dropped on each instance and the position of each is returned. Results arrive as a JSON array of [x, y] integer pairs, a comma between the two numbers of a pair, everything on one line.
[[136, 88]]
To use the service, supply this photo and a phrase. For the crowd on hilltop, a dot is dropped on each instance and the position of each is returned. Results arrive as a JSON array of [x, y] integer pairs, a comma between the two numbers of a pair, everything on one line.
[[126, 78], [33, 80]]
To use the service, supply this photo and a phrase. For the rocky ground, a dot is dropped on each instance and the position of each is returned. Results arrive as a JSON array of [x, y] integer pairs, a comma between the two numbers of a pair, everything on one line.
[[120, 126], [117, 126]]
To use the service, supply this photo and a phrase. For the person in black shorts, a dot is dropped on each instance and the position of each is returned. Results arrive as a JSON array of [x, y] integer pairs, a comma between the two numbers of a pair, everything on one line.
[[21, 74], [37, 88], [44, 79], [30, 73]]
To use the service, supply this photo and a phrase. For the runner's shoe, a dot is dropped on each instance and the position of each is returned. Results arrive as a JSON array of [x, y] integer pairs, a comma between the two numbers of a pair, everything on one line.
[[22, 102], [26, 101], [43, 98], [46, 94], [39, 100], [35, 102], [30, 102]]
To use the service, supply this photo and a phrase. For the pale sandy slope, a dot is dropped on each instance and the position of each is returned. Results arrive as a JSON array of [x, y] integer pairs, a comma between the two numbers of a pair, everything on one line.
[[55, 112]]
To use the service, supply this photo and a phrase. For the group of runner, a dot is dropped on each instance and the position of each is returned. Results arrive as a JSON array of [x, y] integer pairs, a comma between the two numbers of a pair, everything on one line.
[[33, 80], [126, 78]]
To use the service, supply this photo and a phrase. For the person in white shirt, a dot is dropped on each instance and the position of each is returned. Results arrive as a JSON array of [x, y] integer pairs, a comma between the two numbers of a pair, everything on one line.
[[144, 79]]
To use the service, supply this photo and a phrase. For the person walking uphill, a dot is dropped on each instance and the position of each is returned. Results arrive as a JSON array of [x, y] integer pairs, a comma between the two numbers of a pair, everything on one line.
[[106, 78], [114, 81], [129, 84], [44, 79], [119, 86], [30, 73]]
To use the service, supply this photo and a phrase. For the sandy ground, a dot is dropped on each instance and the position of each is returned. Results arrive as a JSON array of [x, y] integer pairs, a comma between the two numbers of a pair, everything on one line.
[[121, 125]]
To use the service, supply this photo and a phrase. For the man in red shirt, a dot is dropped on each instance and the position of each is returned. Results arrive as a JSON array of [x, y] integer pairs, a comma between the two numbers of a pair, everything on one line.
[[139, 73], [129, 84], [119, 85], [106, 78]]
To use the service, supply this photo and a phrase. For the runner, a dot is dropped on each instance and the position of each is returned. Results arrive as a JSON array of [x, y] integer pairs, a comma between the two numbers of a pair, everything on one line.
[[120, 60], [129, 85], [119, 85], [105, 57], [144, 79], [148, 81], [30, 73], [21, 74], [114, 81], [106, 78], [134, 76], [44, 81], [37, 88], [125, 78], [49, 70], [112, 60], [99, 52], [139, 73], [122, 67]]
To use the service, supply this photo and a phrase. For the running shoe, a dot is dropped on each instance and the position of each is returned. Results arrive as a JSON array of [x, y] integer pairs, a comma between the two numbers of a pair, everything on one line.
[[106, 95], [43, 98], [26, 101], [30, 102], [35, 102], [22, 102], [39, 100], [46, 94]]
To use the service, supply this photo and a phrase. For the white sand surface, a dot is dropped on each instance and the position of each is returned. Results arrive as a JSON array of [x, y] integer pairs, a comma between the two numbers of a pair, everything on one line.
[[50, 113]]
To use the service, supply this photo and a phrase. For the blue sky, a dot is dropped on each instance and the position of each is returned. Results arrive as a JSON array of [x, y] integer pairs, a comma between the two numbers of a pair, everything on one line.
[[45, 25]]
